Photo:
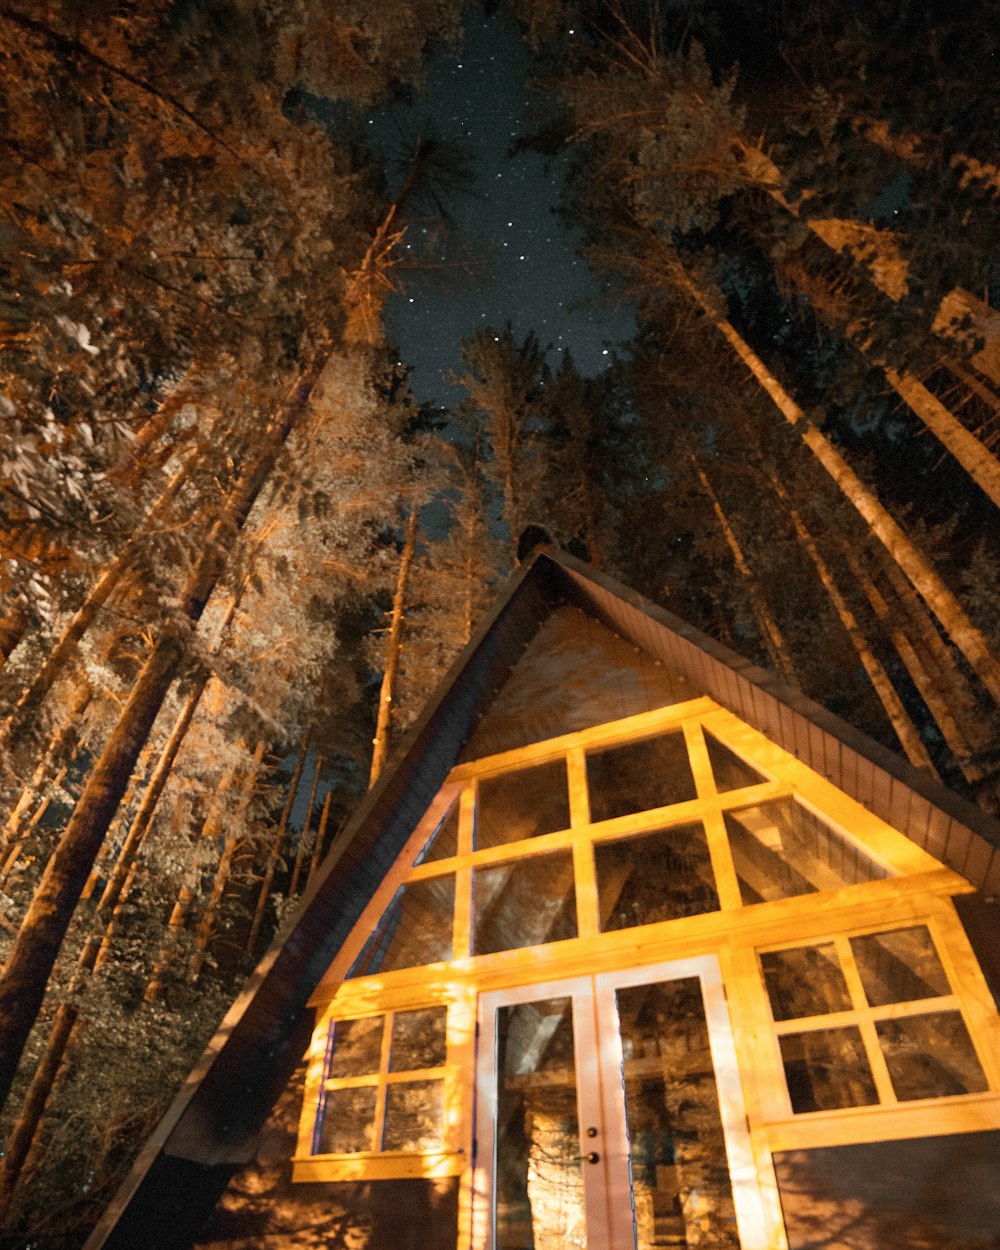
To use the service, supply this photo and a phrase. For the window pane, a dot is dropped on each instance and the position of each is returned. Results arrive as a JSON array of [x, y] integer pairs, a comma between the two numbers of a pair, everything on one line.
[[348, 1121], [539, 1186], [522, 804], [899, 966], [780, 850], [639, 776], [806, 981], [659, 876], [731, 773], [357, 1045], [417, 929], [414, 1116], [930, 1056], [444, 843], [682, 1194], [827, 1069], [524, 903], [418, 1039]]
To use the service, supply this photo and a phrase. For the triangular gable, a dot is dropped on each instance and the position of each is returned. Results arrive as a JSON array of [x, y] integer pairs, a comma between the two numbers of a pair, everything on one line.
[[211, 1126]]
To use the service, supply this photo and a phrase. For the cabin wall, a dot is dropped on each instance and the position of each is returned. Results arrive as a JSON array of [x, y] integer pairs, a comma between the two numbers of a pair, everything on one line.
[[261, 1209], [929, 1193]]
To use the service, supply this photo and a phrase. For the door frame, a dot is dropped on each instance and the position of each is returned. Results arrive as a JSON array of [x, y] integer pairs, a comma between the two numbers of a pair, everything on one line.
[[598, 1056]]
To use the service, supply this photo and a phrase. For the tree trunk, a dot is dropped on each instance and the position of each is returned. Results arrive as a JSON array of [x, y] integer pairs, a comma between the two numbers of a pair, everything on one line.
[[899, 718], [20, 719], [63, 744], [304, 836], [206, 925], [23, 982], [766, 624], [91, 957], [178, 914], [924, 578], [380, 743], [970, 453], [926, 683], [274, 850], [317, 855]]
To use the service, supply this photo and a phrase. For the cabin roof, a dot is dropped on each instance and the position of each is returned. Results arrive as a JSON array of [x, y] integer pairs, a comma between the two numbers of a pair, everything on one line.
[[213, 1122]]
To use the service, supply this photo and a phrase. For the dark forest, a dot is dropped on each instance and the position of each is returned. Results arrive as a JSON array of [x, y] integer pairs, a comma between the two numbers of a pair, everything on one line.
[[238, 552]]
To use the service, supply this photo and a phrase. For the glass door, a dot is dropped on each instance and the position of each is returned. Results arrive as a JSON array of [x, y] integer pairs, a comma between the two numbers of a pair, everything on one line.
[[610, 1117]]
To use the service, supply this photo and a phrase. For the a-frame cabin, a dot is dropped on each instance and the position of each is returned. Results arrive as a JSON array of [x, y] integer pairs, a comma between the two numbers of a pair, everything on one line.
[[635, 947]]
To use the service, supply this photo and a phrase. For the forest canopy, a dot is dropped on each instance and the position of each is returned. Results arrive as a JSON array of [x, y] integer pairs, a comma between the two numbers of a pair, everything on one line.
[[237, 553]]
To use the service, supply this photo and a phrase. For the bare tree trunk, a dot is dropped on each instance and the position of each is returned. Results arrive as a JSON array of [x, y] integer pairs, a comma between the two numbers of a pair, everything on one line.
[[275, 848], [317, 855], [766, 624], [178, 915], [34, 951], [206, 925], [924, 578], [925, 681], [304, 836], [380, 743], [899, 718]]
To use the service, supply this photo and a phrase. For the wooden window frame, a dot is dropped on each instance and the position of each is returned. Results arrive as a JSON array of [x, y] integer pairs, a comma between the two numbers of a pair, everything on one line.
[[916, 890]]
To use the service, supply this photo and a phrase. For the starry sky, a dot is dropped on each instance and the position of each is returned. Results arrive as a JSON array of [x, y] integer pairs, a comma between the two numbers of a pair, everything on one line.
[[508, 257]]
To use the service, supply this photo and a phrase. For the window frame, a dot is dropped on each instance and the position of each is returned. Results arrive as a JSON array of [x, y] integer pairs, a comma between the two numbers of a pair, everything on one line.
[[916, 889]]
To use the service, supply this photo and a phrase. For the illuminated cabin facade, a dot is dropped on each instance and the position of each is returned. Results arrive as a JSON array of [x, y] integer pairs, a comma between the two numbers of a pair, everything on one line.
[[635, 948]]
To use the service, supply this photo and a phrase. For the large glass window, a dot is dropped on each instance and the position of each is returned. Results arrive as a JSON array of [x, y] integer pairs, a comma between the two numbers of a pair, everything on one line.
[[416, 929], [639, 776], [898, 1032], [781, 850], [660, 876]]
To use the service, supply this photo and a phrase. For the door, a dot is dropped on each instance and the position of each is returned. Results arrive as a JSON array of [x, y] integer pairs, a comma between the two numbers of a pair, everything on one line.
[[610, 1117]]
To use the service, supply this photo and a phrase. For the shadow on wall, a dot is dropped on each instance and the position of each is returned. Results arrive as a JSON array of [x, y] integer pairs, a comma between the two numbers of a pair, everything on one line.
[[262, 1209], [932, 1193]]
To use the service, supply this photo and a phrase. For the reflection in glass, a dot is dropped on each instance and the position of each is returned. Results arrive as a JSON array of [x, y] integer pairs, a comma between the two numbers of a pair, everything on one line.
[[357, 1045], [730, 772], [781, 850], [444, 843], [416, 929], [899, 966], [677, 1153], [930, 1056], [414, 1116], [523, 903], [539, 1185], [659, 876], [523, 804], [348, 1121], [418, 1039], [806, 981], [639, 776], [827, 1069]]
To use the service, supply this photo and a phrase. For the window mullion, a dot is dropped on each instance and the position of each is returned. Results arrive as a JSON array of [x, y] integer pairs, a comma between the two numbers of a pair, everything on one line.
[[383, 1072], [866, 1025], [726, 882], [587, 907], [462, 932]]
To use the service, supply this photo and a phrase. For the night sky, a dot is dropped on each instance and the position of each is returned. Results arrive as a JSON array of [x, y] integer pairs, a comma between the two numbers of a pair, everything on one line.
[[509, 257]]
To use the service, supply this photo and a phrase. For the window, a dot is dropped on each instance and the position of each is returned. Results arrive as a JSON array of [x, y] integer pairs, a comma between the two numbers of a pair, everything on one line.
[[384, 1091], [869, 1019]]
